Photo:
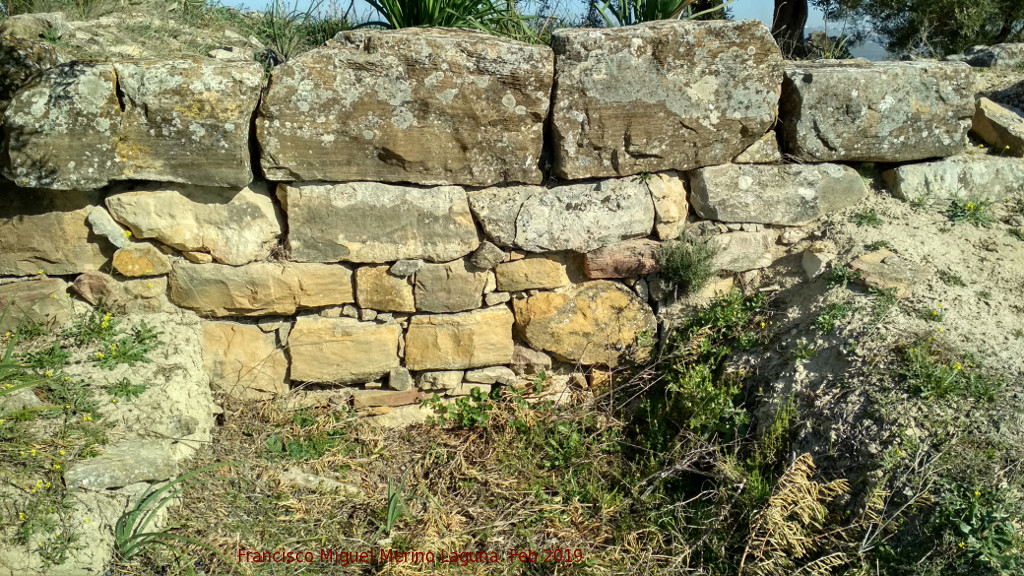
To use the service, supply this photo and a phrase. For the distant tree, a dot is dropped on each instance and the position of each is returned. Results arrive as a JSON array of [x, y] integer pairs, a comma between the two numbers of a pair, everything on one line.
[[935, 27]]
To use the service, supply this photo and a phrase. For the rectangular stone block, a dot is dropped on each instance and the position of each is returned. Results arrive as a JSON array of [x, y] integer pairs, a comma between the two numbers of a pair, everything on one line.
[[460, 341], [84, 125], [786, 194], [243, 361], [860, 111], [974, 176], [376, 223], [342, 350], [430, 106], [672, 94], [260, 288]]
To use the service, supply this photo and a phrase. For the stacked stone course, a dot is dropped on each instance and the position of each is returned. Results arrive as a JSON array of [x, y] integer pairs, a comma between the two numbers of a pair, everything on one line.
[[438, 210]]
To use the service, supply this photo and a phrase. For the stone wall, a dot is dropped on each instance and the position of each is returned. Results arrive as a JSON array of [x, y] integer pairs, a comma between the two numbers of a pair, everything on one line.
[[413, 211]]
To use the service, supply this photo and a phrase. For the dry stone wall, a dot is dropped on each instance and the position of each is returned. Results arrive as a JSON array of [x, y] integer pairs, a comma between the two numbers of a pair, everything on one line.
[[401, 212]]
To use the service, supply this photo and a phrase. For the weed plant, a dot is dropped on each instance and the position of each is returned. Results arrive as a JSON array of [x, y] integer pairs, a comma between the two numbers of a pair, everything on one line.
[[687, 263]]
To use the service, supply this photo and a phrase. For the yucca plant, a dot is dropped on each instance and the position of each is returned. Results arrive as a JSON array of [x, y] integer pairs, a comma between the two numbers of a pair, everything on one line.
[[496, 17], [631, 12], [131, 532]]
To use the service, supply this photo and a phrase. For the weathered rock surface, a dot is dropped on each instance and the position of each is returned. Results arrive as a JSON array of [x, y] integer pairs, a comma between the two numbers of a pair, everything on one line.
[[123, 464], [378, 289], [431, 106], [535, 272], [1000, 127], [450, 287], [123, 295], [576, 217], [363, 399], [234, 226], [629, 259], [41, 301], [20, 60], [342, 350], [243, 361], [742, 251], [885, 270], [459, 341], [400, 379], [491, 375], [671, 206], [260, 288], [48, 231], [1007, 55], [140, 259], [661, 95], [764, 151], [102, 224], [487, 256], [592, 323], [966, 176], [377, 223], [788, 195], [529, 362], [405, 268], [860, 111], [440, 379], [83, 125]]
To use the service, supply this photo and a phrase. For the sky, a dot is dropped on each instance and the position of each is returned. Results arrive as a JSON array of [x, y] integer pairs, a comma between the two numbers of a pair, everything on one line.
[[742, 9]]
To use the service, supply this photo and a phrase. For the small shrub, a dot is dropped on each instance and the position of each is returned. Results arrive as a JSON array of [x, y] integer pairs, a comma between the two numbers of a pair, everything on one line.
[[467, 412], [687, 263], [129, 349], [123, 389], [951, 279], [867, 217], [931, 372], [974, 212], [841, 276], [53, 357], [826, 321]]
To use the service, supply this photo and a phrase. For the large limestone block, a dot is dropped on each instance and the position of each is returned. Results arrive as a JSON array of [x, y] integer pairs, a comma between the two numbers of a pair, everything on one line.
[[575, 217], [591, 323], [787, 195], [41, 301], [342, 350], [83, 125], [450, 287], [1000, 127], [460, 341], [260, 288], [49, 231], [243, 361], [235, 226], [430, 106], [376, 223], [661, 95], [860, 111], [378, 289], [974, 176]]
